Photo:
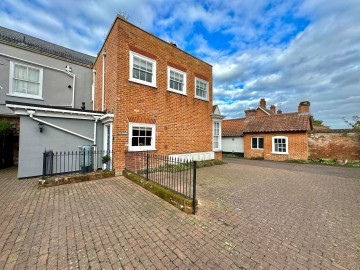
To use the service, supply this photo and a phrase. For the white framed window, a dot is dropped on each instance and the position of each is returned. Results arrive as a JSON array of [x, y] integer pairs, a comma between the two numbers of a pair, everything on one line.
[[25, 81], [280, 145], [176, 81], [257, 143], [142, 69], [201, 89], [216, 135], [141, 137]]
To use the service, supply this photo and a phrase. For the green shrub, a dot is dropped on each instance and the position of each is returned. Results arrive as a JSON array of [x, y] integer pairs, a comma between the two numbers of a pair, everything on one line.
[[5, 126]]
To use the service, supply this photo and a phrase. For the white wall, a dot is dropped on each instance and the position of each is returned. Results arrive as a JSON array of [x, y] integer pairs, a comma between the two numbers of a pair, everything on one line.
[[233, 144]]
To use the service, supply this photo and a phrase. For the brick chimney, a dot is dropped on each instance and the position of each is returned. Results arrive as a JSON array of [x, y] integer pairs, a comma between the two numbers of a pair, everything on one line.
[[304, 107], [263, 103], [273, 108], [279, 111], [250, 114]]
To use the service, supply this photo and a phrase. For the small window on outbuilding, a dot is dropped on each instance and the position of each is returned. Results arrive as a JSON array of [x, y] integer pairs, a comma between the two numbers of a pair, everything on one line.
[[257, 143]]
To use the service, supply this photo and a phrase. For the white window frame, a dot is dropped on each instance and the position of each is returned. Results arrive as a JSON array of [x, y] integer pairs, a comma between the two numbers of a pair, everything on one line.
[[11, 81], [153, 137], [257, 148], [184, 83], [134, 54], [207, 89], [219, 136], [286, 142]]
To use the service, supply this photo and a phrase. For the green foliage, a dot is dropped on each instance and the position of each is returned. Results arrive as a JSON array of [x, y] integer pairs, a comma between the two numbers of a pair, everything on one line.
[[219, 162], [5, 126], [105, 159], [354, 123], [230, 155], [318, 122], [326, 161]]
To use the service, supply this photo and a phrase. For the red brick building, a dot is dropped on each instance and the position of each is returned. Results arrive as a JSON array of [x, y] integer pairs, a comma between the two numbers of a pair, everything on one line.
[[278, 136], [157, 97], [270, 134]]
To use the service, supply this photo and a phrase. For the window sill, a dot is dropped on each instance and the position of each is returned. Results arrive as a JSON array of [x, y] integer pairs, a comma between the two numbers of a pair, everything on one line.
[[262, 149], [20, 96], [143, 83], [141, 150], [176, 92], [201, 98], [217, 150], [278, 153]]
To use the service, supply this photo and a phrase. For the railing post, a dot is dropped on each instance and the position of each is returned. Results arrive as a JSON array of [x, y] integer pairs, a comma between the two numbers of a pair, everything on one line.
[[44, 165], [147, 165], [83, 169], [194, 189]]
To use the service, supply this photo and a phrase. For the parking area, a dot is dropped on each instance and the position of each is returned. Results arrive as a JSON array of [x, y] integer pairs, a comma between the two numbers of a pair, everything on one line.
[[252, 215]]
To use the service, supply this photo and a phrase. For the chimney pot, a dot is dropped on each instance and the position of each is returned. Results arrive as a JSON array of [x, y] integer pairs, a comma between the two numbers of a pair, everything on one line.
[[263, 103], [273, 108], [279, 111], [304, 107]]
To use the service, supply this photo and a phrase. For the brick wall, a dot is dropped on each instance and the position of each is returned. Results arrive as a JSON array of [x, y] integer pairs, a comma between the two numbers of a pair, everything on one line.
[[183, 123], [339, 144], [218, 155], [260, 113], [297, 146]]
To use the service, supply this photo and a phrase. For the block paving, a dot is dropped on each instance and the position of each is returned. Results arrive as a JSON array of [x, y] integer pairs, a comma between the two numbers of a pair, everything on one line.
[[252, 215]]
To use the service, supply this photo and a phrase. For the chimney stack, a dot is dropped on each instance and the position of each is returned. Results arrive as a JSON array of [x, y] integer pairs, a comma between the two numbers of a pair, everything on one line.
[[273, 108], [250, 114], [263, 103], [304, 107], [279, 111]]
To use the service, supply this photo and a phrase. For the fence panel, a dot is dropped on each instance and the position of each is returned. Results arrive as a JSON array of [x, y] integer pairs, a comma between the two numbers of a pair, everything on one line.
[[176, 174], [82, 161]]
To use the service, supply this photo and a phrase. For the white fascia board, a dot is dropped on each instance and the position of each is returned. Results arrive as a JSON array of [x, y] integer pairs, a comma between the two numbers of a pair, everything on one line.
[[263, 110], [217, 116], [50, 112], [107, 118]]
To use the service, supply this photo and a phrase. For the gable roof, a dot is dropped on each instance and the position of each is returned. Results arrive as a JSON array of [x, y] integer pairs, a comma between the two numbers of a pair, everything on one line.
[[268, 112], [216, 110], [233, 127], [287, 122], [30, 43]]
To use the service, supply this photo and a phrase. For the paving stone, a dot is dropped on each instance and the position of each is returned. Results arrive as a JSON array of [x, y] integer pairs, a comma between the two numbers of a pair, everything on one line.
[[252, 215]]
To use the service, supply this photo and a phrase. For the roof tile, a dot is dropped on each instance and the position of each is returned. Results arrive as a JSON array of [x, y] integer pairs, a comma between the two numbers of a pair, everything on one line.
[[233, 127], [28, 42], [279, 123]]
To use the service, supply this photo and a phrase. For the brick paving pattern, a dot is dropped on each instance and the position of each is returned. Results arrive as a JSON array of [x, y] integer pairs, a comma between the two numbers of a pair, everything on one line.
[[253, 215]]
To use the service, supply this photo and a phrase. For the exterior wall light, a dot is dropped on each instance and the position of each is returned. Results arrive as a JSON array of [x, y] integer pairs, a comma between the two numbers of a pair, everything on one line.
[[41, 127]]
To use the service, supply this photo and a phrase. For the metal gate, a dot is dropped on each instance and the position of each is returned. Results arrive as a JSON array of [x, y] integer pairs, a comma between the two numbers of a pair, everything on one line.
[[6, 149]]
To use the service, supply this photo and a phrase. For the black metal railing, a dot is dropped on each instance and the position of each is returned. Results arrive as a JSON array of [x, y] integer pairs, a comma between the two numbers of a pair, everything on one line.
[[82, 161], [176, 174]]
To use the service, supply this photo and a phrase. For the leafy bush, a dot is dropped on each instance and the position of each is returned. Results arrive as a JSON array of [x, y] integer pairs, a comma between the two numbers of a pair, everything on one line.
[[105, 159], [5, 126]]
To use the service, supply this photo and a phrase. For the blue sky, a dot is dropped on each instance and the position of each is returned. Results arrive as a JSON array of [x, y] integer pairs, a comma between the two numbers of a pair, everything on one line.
[[283, 51]]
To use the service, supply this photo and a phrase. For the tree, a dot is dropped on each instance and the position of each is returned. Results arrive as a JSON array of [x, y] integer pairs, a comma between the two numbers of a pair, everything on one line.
[[355, 123], [318, 122]]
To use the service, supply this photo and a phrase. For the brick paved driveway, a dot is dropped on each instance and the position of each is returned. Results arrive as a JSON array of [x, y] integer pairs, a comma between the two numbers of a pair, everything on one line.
[[253, 215]]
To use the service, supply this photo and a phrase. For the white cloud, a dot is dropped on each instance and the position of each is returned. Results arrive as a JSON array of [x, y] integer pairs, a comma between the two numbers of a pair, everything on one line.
[[284, 51]]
